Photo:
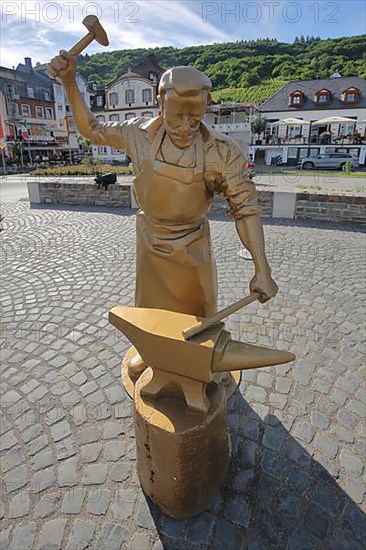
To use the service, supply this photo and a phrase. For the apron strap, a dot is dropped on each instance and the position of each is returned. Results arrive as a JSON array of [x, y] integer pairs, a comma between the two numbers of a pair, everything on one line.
[[158, 139], [200, 155]]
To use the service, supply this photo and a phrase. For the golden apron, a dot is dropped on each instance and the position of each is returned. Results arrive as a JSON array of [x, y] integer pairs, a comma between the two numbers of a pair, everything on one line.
[[175, 265]]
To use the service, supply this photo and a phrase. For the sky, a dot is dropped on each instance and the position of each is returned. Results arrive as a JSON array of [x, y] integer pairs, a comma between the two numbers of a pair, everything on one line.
[[40, 29]]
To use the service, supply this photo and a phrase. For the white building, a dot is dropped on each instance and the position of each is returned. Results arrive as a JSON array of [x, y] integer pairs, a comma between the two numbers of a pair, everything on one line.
[[131, 95], [75, 139], [311, 101], [233, 120]]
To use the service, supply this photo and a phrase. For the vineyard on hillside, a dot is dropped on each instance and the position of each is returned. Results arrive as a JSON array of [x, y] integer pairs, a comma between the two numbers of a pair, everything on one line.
[[252, 94]]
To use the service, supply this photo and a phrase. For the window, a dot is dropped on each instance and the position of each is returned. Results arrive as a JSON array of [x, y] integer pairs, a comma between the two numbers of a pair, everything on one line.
[[130, 96], [39, 112], [351, 97], [100, 101], [30, 92], [59, 107], [147, 114], [304, 153], [152, 76], [128, 116], [101, 118], [49, 112], [26, 110], [9, 92], [323, 96], [354, 152], [146, 95], [102, 150], [114, 118], [46, 95], [296, 98], [115, 151], [113, 98]]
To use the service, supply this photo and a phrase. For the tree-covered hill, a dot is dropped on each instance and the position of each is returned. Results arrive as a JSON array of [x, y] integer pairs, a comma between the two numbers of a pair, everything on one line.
[[244, 63]]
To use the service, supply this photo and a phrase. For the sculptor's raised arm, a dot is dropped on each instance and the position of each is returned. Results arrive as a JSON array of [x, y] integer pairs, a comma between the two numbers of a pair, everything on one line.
[[113, 134]]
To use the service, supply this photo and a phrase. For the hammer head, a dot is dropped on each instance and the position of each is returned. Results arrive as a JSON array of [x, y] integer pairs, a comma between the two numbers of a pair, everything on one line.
[[93, 25]]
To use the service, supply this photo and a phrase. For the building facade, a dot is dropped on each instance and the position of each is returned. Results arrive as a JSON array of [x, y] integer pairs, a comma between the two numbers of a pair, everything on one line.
[[309, 102], [37, 121], [131, 95], [233, 120]]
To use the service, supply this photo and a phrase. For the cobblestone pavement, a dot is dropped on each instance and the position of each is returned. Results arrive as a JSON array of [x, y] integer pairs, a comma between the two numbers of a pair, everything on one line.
[[67, 446]]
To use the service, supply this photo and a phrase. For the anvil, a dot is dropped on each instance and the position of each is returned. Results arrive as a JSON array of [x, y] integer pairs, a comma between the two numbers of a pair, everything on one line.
[[183, 368]]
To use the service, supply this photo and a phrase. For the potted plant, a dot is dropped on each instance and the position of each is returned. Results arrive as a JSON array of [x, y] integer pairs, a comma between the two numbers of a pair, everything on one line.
[[258, 127]]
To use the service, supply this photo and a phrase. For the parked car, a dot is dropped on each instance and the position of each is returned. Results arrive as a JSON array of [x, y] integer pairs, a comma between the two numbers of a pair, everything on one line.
[[328, 160]]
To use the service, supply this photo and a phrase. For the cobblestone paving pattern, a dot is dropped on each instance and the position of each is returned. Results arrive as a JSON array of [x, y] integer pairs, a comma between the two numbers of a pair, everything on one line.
[[67, 444]]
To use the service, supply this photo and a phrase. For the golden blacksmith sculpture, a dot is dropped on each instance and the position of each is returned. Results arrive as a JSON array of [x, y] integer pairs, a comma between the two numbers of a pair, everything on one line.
[[179, 402]]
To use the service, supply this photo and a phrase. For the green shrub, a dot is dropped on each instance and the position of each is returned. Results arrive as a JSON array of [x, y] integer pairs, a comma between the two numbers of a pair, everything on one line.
[[347, 166], [81, 170]]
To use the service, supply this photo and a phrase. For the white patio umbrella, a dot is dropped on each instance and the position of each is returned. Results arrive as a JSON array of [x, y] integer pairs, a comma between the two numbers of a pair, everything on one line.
[[333, 120], [290, 122], [295, 122]]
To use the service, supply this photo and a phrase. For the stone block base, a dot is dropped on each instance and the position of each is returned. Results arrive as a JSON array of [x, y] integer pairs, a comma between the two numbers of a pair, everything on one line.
[[182, 457]]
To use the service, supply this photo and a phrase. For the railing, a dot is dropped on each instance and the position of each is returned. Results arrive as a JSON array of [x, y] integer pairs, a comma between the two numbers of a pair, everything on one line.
[[314, 140], [232, 127]]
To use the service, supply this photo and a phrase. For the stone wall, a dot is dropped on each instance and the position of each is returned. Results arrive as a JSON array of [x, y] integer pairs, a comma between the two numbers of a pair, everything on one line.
[[335, 208], [265, 201], [84, 192], [343, 207]]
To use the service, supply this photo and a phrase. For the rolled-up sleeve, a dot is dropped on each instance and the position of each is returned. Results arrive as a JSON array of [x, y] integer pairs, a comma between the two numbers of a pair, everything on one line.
[[232, 184], [112, 134]]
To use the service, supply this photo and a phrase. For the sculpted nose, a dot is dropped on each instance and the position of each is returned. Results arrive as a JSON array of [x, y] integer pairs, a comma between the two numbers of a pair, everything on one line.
[[185, 123]]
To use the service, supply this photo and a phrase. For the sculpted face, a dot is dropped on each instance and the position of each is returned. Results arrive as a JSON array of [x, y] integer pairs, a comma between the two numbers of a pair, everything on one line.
[[182, 116]]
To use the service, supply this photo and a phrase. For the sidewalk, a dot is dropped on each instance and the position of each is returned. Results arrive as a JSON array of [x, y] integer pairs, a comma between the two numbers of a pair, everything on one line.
[[67, 444]]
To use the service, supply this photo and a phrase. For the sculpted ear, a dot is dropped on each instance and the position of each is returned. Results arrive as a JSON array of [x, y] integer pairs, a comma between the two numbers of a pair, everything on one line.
[[159, 100]]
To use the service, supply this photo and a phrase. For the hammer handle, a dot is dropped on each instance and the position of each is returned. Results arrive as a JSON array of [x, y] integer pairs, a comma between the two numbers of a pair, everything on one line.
[[82, 44], [206, 323]]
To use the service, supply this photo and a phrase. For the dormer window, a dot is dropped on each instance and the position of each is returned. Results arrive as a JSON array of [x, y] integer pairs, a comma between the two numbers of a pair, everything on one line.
[[351, 95], [296, 98], [323, 97]]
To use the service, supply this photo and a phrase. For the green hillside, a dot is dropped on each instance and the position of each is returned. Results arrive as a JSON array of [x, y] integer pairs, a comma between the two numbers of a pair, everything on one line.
[[244, 65], [252, 94]]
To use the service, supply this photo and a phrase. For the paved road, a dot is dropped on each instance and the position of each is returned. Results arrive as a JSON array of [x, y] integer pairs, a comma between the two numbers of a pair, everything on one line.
[[334, 181], [14, 188], [67, 448]]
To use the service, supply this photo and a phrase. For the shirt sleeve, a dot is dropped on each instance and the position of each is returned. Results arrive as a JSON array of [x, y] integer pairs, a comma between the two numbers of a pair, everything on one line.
[[233, 184], [113, 134]]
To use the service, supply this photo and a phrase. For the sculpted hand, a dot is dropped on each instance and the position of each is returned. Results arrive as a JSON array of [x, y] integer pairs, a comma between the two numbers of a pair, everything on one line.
[[63, 66], [265, 285]]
